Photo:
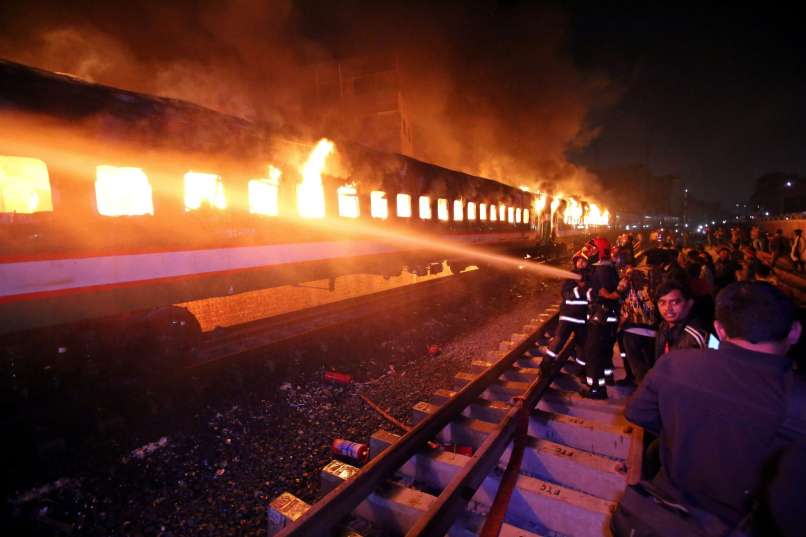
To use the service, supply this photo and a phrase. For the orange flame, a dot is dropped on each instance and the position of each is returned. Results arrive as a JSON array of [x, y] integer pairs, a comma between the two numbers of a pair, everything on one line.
[[122, 191], [310, 192], [24, 185], [264, 193]]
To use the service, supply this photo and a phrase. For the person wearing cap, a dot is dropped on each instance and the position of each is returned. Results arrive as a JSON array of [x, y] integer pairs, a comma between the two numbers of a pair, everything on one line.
[[573, 312], [602, 323]]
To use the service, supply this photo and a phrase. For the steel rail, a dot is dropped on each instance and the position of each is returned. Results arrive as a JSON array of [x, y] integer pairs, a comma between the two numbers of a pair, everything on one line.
[[453, 499], [337, 504]]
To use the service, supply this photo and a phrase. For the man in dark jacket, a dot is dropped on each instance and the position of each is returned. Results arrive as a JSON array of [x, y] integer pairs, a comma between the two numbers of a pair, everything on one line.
[[724, 415], [679, 329]]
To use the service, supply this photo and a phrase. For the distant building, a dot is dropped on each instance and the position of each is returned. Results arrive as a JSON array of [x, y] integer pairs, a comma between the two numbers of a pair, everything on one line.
[[637, 192], [359, 99], [779, 193]]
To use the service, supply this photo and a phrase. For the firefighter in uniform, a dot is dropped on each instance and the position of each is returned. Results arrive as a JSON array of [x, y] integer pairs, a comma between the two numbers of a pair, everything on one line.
[[573, 312], [602, 322]]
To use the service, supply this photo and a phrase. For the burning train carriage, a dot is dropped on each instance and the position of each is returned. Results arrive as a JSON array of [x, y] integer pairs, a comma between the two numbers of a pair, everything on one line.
[[158, 202]]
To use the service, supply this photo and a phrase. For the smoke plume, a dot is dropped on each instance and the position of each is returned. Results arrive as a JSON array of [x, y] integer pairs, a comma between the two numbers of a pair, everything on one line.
[[489, 88]]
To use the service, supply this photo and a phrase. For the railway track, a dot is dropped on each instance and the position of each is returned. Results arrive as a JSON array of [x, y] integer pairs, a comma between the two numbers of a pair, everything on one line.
[[544, 461]]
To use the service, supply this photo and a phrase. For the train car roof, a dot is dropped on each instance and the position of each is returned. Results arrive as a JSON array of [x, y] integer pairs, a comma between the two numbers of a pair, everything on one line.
[[124, 115]]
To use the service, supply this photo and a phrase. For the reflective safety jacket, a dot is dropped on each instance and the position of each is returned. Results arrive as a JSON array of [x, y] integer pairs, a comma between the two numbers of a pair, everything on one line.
[[574, 307]]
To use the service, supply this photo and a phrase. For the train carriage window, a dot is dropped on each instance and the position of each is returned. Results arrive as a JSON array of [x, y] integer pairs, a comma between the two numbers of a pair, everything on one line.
[[403, 206], [471, 210], [442, 210], [458, 212], [24, 186], [204, 189], [511, 215], [379, 208], [425, 208], [526, 216], [348, 201], [502, 213], [493, 214], [122, 191], [518, 215], [482, 211], [264, 194]]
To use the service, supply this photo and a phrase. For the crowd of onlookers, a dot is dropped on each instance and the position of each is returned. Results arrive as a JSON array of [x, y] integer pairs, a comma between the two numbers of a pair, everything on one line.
[[707, 338]]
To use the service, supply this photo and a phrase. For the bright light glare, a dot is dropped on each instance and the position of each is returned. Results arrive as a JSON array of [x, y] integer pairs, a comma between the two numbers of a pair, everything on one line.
[[348, 201], [458, 213], [403, 206], [442, 209], [24, 186], [425, 208], [204, 189], [122, 191], [378, 207], [264, 194]]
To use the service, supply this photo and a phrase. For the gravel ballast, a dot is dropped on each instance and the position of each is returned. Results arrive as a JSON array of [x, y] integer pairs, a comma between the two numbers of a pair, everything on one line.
[[227, 441]]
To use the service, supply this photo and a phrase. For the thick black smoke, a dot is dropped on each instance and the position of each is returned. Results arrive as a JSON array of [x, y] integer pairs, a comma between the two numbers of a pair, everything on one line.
[[490, 87]]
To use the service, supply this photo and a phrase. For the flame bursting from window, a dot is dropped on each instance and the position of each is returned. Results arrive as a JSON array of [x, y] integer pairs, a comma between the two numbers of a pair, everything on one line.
[[122, 191], [403, 206], [442, 210], [425, 208], [310, 192], [348, 201], [573, 212], [596, 217], [204, 189], [24, 185], [264, 193], [379, 207]]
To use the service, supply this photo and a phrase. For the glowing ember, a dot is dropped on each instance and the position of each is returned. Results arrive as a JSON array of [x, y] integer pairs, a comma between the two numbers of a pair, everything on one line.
[[264, 194], [403, 206], [122, 191], [425, 208], [458, 213], [378, 208], [348, 201], [204, 189], [310, 192], [24, 186], [471, 210], [442, 210], [483, 211]]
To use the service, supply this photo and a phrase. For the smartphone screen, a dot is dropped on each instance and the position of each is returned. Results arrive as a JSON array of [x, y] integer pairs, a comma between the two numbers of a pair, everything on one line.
[[713, 341]]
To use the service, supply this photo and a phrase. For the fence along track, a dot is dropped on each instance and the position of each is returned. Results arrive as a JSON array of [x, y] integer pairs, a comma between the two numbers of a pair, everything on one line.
[[578, 457]]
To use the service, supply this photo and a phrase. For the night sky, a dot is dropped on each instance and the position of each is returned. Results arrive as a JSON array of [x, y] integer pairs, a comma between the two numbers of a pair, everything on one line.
[[510, 89], [713, 95]]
